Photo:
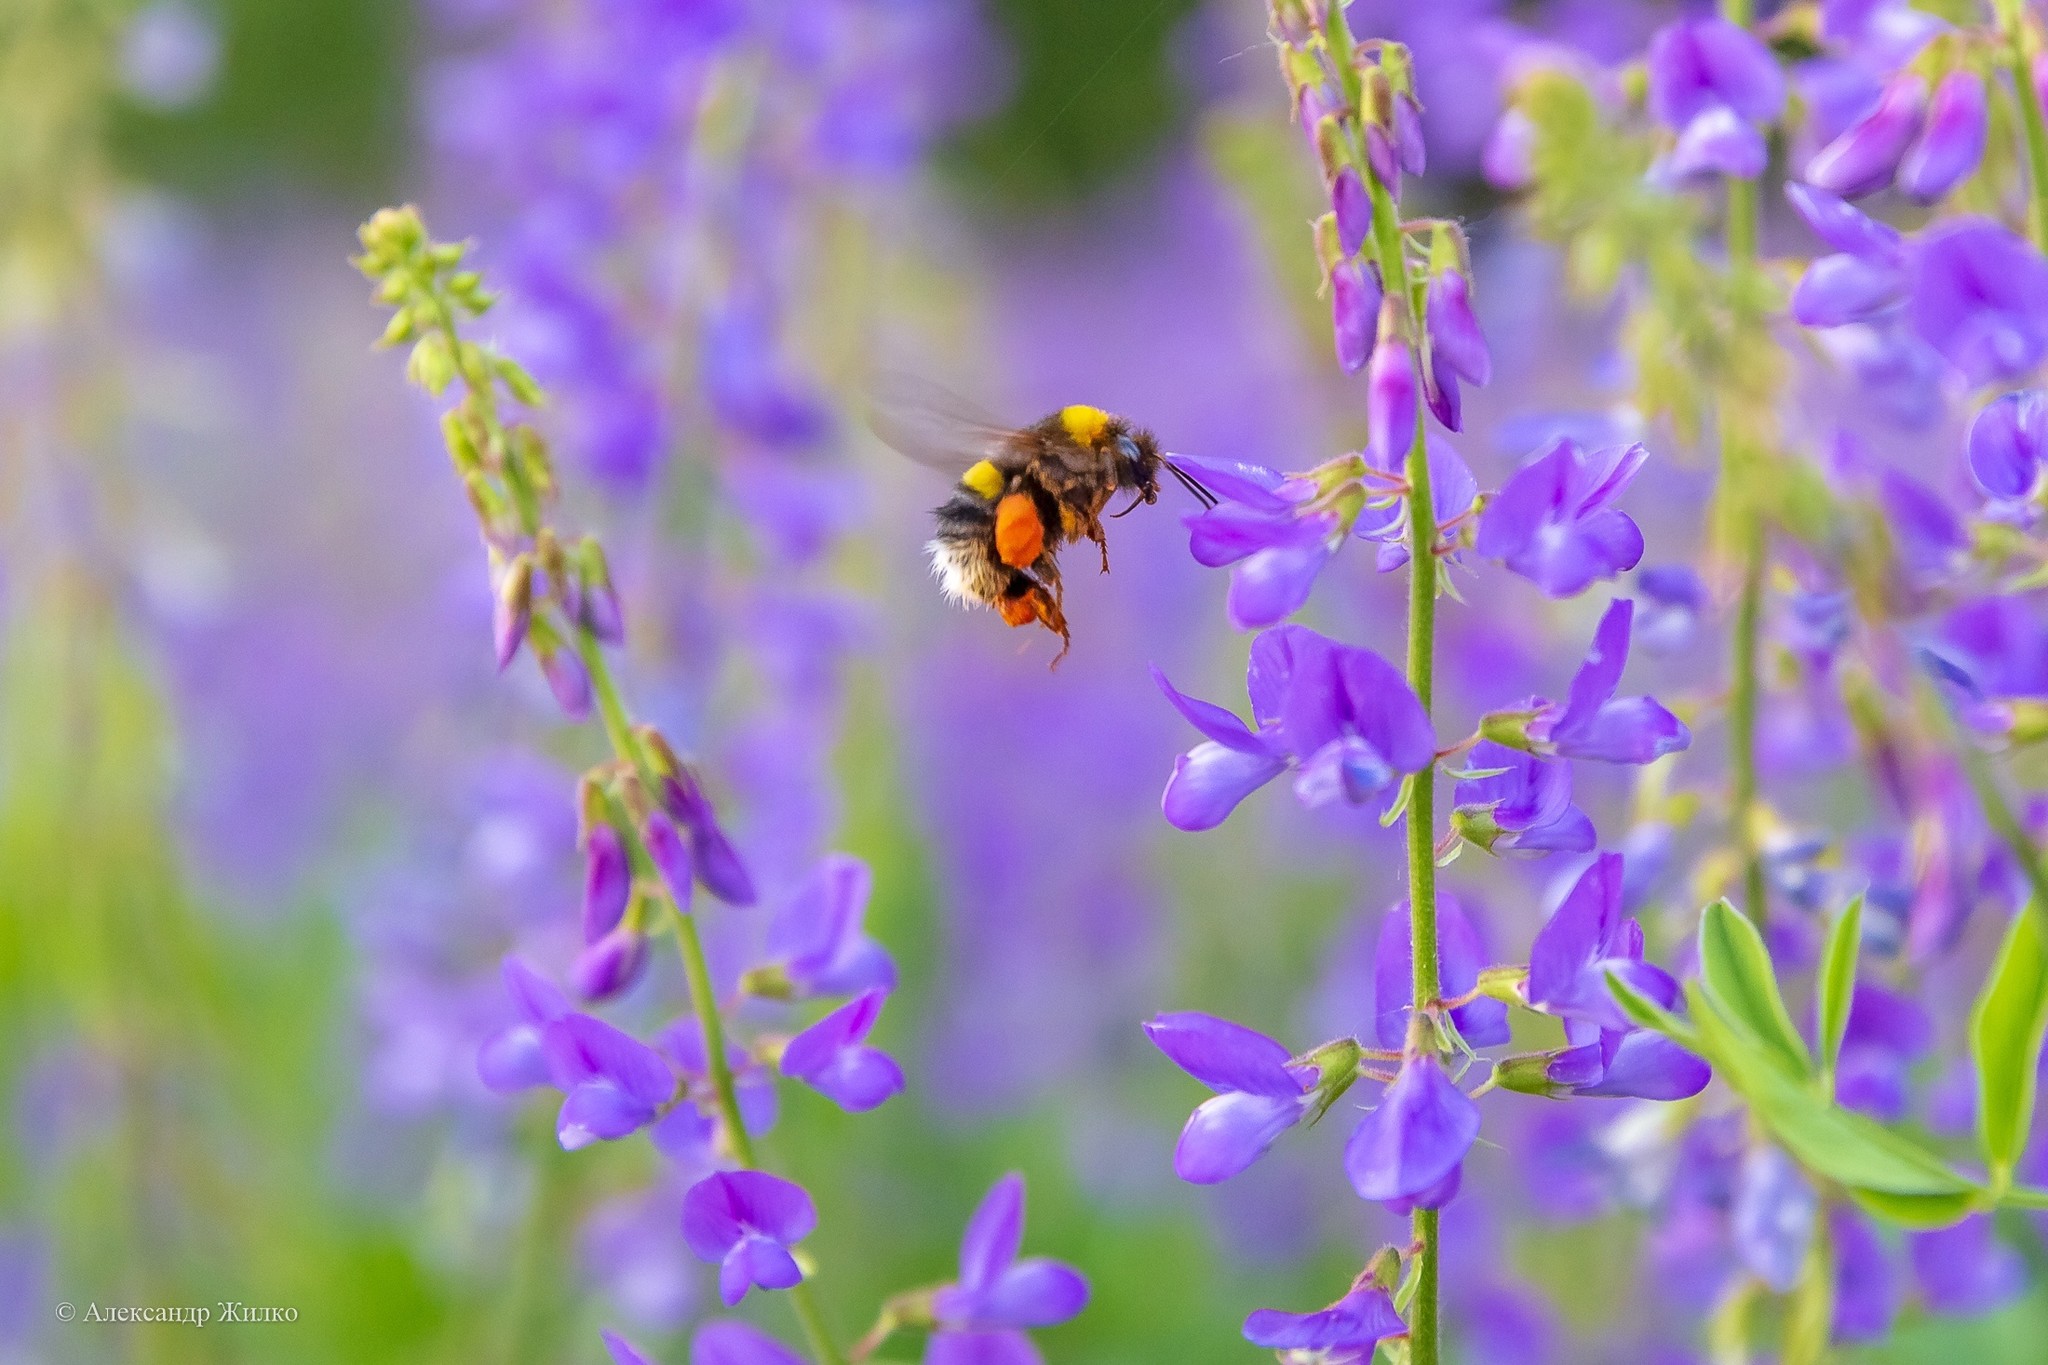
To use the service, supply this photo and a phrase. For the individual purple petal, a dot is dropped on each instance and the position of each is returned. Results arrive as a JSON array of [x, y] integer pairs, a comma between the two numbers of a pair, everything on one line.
[[1228, 1133], [1953, 142], [1273, 584], [1978, 294], [1209, 780], [1841, 289], [1845, 227], [1409, 147], [1866, 1285], [1213, 721], [1647, 1066], [2006, 443], [994, 1233], [622, 1351], [569, 680], [738, 1343], [1233, 531], [1223, 1055], [1928, 536], [1696, 64], [1508, 159], [600, 1111], [1453, 329], [607, 881], [1863, 158], [582, 1049], [1354, 215], [1718, 141], [512, 611], [819, 934], [1256, 486], [831, 1057], [1352, 1326], [671, 857], [1390, 404], [1417, 1136], [611, 965], [1965, 1269], [1034, 1292], [1355, 297], [1577, 934], [539, 999]]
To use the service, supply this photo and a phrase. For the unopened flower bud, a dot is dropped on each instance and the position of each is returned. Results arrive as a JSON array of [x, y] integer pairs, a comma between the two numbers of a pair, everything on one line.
[[568, 679], [607, 881], [514, 611], [1863, 158], [611, 965], [1953, 143], [1390, 405], [671, 855], [1355, 302]]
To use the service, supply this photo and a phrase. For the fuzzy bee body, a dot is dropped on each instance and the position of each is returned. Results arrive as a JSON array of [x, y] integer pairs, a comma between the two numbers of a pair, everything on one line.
[[1023, 495]]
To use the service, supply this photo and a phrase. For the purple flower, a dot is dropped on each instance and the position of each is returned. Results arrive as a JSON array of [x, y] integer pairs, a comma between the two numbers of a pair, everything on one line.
[[1845, 227], [622, 1351], [716, 862], [1344, 719], [515, 1058], [2006, 443], [568, 679], [1452, 493], [1353, 206], [1671, 599], [1979, 296], [832, 1056], [1272, 527], [728, 1342], [983, 1315], [1409, 1149], [671, 857], [1864, 157], [1481, 1023], [1965, 1269], [512, 610], [1712, 82], [1593, 724], [1345, 1333], [1554, 522], [1627, 1065], [1953, 143], [1928, 536], [1887, 1034], [688, 1133], [1390, 407], [1775, 1209], [611, 965], [1866, 1285], [1523, 804], [1457, 348], [1840, 289], [747, 1221], [1355, 296], [1585, 940], [1508, 159], [607, 881], [818, 939], [1261, 1092], [613, 1083]]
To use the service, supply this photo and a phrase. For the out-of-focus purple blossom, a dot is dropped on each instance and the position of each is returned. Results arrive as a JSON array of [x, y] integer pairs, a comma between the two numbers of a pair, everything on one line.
[[512, 611], [2006, 443], [1999, 644], [983, 1315], [1979, 296], [607, 881], [670, 855], [1481, 1023], [1864, 157], [568, 679], [1712, 82], [1845, 227], [1815, 626], [1888, 1033], [611, 965], [1953, 142], [1345, 1333], [1585, 940], [622, 1351], [1554, 521], [716, 862], [613, 1083], [730, 1342], [1866, 1285], [1408, 1149], [1355, 296], [833, 1058], [1965, 1269], [1929, 537], [515, 1058], [745, 1222], [1523, 804], [1507, 161], [1593, 723], [1261, 1092], [1670, 600], [1344, 719], [1840, 289], [817, 940], [1775, 1209]]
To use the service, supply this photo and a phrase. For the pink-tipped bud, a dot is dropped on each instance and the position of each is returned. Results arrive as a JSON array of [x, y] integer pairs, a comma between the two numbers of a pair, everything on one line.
[[514, 610]]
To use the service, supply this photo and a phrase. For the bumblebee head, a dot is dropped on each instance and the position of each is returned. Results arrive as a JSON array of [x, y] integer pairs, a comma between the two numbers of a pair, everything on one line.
[[1138, 461]]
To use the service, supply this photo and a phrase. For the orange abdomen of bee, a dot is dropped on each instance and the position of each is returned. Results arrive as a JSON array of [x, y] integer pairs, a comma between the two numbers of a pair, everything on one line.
[[1020, 535]]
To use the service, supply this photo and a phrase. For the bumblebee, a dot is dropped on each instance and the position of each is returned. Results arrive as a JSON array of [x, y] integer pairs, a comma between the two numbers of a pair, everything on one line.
[[1023, 495]]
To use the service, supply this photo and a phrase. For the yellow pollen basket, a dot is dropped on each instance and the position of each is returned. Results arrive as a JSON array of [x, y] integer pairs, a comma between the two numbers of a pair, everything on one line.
[[1083, 423], [983, 479]]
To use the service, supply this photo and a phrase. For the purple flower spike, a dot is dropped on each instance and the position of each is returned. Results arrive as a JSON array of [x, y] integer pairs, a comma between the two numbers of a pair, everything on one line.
[[819, 939], [747, 1221], [1979, 295], [832, 1056], [1554, 521], [2007, 441], [1863, 158], [1345, 1333], [569, 680], [610, 966], [607, 881], [1453, 329], [1594, 724], [1355, 297], [1390, 404], [1965, 1269], [1949, 150], [615, 1083], [671, 857], [738, 1343], [1586, 939], [1411, 1146], [1260, 1093], [515, 1058], [1525, 807], [982, 1316], [1482, 1023], [622, 1351]]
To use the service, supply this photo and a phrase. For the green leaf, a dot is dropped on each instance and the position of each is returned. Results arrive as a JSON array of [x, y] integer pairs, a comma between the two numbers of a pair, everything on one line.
[[1837, 985], [2005, 1038], [1735, 968], [1835, 1142], [1917, 1210], [2025, 1197]]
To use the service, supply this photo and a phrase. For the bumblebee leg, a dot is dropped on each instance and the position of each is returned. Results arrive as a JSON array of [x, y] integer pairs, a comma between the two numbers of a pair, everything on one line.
[[1101, 542]]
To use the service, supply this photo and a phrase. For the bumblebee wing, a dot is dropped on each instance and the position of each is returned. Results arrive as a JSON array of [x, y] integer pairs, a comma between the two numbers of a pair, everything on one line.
[[927, 423]]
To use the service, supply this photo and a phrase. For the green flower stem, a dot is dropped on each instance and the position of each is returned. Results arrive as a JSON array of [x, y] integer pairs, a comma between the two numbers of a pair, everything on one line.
[[1752, 550], [2012, 24]]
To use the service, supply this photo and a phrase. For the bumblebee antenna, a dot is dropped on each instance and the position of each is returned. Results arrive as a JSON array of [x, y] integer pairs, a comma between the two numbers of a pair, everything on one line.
[[1188, 481]]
